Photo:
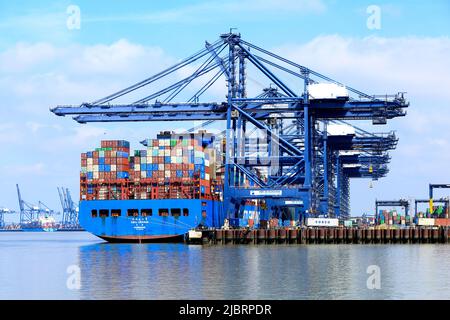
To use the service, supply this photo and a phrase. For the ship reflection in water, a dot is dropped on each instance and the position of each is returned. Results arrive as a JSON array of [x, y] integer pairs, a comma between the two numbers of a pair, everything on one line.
[[33, 265], [177, 271]]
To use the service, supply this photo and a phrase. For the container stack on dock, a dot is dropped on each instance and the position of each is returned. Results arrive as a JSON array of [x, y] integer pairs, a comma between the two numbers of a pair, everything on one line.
[[392, 217], [173, 166]]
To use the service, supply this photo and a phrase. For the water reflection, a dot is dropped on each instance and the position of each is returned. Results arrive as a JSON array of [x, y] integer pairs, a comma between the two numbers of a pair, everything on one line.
[[177, 271]]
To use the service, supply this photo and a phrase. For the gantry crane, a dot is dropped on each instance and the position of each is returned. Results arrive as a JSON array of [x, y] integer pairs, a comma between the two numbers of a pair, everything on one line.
[[70, 210], [4, 211], [443, 201], [296, 162], [392, 203], [29, 213], [431, 187]]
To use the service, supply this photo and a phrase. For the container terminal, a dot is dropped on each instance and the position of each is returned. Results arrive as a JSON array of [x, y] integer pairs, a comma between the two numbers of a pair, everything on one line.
[[39, 217], [280, 170]]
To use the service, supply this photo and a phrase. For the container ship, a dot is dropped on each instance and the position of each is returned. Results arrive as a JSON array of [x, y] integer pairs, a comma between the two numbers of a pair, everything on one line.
[[153, 195], [42, 224]]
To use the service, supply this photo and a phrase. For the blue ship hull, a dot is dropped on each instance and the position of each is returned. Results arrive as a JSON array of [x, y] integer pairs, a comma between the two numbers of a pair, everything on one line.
[[159, 220]]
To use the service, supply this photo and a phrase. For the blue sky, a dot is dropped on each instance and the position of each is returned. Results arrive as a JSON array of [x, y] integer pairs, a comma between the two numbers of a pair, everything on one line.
[[43, 63]]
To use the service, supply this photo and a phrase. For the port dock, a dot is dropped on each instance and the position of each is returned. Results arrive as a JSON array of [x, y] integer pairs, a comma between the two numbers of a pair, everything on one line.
[[323, 236]]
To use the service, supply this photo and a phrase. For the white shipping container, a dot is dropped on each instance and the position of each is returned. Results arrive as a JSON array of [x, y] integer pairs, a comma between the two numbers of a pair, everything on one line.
[[90, 161], [161, 167], [95, 175], [340, 130], [327, 91], [199, 154], [348, 223], [137, 167], [207, 176], [161, 153], [426, 222], [113, 167], [143, 174], [149, 160], [322, 222], [95, 168]]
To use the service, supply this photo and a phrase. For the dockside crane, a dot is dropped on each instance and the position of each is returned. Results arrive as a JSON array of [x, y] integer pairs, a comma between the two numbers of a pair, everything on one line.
[[301, 163], [28, 212], [70, 210], [443, 201], [4, 211], [431, 187], [392, 203]]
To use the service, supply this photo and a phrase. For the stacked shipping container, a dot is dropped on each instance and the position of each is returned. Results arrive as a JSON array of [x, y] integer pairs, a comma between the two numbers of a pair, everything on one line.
[[171, 166]]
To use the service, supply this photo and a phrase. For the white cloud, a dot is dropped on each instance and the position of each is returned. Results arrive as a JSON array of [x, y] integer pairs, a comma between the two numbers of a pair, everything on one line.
[[414, 64]]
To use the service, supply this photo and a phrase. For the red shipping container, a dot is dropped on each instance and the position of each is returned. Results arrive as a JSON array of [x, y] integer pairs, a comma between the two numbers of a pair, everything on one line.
[[442, 222], [107, 154], [107, 160], [95, 161]]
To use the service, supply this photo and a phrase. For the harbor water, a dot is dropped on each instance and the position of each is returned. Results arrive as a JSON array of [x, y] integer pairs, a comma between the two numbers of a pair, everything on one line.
[[77, 265]]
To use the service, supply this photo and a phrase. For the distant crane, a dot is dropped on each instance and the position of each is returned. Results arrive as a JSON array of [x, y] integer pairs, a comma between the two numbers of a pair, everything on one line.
[[4, 211], [431, 187], [30, 213], [70, 212]]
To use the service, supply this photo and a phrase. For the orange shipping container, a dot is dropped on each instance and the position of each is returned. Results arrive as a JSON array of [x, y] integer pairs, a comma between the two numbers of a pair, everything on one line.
[[442, 222]]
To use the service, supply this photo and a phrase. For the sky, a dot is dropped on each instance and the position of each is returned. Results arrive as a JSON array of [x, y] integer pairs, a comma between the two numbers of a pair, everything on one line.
[[45, 61]]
